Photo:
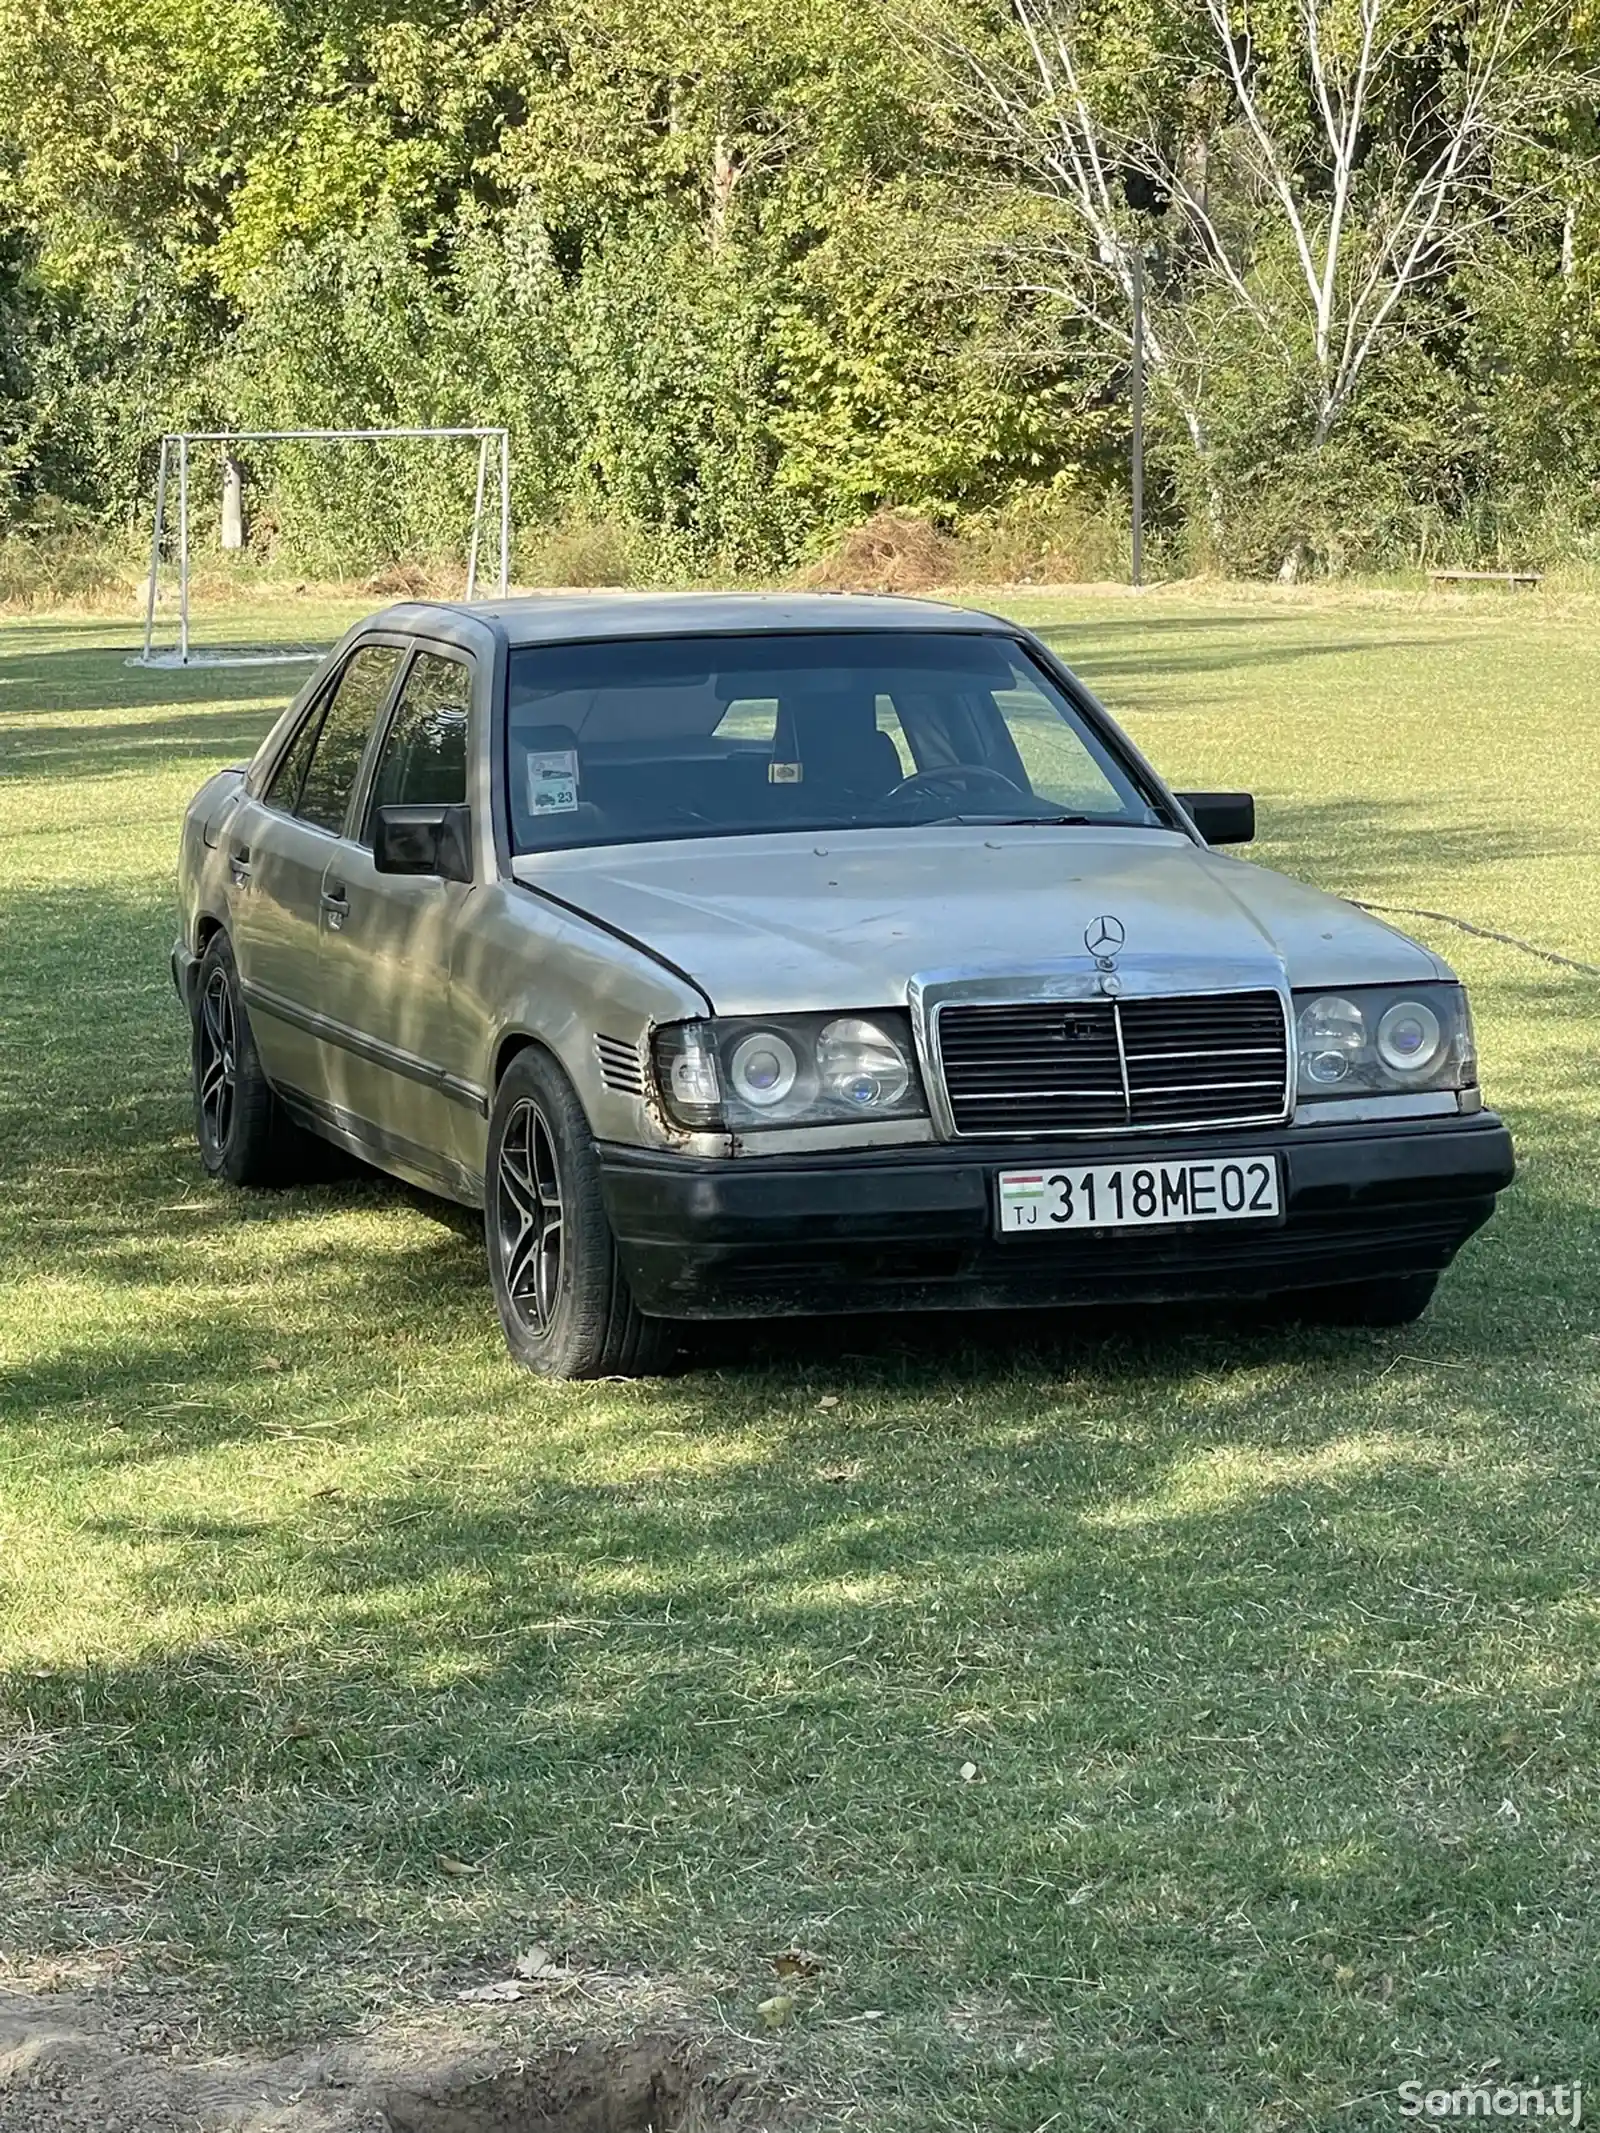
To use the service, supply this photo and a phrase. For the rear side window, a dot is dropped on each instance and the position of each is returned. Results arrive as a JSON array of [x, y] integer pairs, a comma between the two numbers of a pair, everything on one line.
[[283, 789], [346, 728], [424, 760]]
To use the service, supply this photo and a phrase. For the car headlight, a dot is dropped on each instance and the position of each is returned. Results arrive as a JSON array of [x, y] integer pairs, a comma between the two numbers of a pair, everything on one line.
[[788, 1070], [1384, 1038]]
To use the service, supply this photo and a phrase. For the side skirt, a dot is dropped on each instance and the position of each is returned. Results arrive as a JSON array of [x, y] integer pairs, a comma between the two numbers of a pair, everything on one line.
[[423, 1167]]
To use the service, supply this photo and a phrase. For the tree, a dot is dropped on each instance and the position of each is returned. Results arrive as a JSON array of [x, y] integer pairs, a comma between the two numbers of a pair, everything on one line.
[[1324, 165]]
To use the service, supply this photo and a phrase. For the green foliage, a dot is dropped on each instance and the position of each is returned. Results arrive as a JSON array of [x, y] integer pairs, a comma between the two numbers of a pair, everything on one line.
[[737, 275], [897, 383], [670, 386]]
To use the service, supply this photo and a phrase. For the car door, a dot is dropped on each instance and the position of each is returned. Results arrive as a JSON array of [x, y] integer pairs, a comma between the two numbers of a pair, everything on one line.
[[402, 1072], [278, 852]]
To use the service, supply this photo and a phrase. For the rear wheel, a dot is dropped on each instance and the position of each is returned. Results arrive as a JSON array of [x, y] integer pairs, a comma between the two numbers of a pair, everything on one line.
[[1396, 1300], [563, 1298], [244, 1133]]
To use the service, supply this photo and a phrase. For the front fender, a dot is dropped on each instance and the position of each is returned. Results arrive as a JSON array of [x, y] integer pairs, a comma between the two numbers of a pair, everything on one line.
[[528, 969]]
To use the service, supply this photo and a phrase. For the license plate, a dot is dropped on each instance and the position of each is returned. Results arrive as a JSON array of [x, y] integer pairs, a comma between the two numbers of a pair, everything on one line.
[[1235, 1188]]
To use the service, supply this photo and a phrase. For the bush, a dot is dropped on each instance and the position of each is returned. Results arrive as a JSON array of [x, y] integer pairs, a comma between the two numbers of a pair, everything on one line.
[[1050, 536], [51, 559], [576, 552]]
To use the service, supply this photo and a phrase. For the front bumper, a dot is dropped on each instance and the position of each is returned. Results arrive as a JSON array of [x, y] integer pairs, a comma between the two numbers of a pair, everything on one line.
[[914, 1228]]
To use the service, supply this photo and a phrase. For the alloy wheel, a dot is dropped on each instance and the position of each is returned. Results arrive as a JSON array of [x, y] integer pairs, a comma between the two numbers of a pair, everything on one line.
[[218, 1059], [528, 1215]]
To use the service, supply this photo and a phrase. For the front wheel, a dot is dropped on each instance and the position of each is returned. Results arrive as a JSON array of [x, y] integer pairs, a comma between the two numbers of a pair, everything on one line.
[[563, 1298], [1397, 1300]]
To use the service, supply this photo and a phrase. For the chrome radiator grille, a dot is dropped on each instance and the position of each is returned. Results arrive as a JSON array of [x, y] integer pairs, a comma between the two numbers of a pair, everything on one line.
[[1033, 1068]]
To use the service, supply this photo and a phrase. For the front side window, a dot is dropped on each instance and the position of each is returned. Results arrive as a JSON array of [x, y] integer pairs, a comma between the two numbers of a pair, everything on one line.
[[637, 740], [358, 697], [424, 759]]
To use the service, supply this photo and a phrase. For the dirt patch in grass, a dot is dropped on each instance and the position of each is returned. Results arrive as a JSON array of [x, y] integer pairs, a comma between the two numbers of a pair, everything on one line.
[[646, 2085], [70, 2065]]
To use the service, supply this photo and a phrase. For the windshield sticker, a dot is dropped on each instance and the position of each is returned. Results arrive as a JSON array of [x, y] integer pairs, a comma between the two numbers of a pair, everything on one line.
[[785, 773], [553, 781]]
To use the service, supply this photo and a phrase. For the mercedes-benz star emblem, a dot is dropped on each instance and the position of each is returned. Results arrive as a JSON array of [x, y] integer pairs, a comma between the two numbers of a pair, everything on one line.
[[1103, 936]]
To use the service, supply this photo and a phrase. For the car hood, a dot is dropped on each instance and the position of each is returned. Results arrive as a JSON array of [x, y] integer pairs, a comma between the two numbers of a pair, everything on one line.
[[847, 919]]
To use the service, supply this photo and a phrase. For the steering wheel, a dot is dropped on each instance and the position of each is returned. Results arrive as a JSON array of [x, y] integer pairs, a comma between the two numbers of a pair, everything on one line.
[[956, 779]]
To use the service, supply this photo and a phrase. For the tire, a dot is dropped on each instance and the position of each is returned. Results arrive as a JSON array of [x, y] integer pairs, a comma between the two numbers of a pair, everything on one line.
[[1396, 1300], [563, 1298], [244, 1133]]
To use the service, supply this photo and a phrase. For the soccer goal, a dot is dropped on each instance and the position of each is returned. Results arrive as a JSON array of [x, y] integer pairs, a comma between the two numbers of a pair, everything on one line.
[[176, 468]]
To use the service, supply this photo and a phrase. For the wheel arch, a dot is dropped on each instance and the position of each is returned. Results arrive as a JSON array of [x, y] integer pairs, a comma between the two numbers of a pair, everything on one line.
[[512, 1043], [511, 1047]]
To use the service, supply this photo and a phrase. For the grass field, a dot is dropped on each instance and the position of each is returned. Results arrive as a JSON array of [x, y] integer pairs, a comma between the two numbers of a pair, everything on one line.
[[338, 1661]]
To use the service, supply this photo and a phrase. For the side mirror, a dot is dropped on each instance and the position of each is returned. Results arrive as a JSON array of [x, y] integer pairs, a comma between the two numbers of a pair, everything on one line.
[[1222, 817], [423, 840]]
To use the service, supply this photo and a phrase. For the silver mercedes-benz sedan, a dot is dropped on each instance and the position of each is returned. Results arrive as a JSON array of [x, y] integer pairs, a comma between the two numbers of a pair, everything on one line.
[[744, 955]]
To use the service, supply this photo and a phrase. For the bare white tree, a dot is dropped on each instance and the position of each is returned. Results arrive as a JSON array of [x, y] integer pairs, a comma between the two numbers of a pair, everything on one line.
[[1366, 212]]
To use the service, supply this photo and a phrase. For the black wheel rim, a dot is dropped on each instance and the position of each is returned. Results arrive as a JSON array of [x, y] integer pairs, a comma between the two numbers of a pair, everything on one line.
[[528, 1215], [218, 1055]]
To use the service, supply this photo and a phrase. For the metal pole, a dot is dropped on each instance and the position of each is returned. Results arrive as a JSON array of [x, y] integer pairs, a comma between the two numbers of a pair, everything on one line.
[[155, 551], [326, 436], [477, 517], [183, 546], [505, 512], [1138, 414]]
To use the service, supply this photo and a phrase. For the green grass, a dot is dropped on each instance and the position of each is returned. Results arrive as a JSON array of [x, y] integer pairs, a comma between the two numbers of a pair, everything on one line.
[[1275, 1655]]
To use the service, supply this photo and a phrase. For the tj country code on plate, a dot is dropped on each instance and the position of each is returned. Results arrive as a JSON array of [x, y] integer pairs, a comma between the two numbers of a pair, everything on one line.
[[1128, 1195]]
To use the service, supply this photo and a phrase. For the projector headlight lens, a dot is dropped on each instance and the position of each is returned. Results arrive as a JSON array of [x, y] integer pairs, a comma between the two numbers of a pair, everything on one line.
[[1410, 1038], [763, 1069]]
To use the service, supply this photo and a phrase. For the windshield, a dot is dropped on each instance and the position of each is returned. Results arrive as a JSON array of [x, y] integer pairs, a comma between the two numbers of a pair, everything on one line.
[[640, 739]]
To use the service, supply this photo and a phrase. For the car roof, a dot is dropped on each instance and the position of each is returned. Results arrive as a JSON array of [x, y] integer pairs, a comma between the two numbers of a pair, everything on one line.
[[565, 618]]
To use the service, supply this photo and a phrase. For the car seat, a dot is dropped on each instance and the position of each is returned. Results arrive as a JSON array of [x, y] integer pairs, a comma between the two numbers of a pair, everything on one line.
[[835, 738]]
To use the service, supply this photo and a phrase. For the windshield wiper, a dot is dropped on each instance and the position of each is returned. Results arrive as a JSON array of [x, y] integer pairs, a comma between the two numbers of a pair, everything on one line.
[[1029, 821]]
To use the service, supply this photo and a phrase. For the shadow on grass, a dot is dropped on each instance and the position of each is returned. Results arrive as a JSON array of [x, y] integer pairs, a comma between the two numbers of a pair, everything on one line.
[[1123, 665], [393, 1661], [84, 680], [208, 739], [1373, 844], [1203, 1647]]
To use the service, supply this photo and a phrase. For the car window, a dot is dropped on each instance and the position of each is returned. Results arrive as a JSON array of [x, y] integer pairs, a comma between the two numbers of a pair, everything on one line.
[[346, 728], [283, 788], [424, 759], [750, 718], [629, 740], [889, 723], [1059, 765]]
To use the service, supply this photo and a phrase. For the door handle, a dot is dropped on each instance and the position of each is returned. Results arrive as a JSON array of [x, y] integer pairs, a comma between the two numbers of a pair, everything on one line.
[[239, 865], [336, 903]]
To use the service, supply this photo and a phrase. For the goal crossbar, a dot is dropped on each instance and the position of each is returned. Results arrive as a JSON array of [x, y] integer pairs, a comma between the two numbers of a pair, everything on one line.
[[175, 448]]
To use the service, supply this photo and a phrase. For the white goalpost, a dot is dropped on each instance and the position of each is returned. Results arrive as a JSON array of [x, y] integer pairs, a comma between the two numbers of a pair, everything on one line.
[[176, 448]]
